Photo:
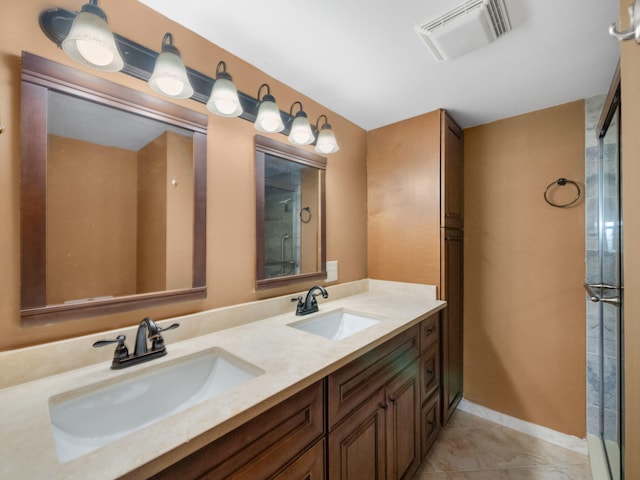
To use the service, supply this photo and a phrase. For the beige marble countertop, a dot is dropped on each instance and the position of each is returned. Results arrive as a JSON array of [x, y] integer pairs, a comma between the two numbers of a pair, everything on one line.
[[291, 360]]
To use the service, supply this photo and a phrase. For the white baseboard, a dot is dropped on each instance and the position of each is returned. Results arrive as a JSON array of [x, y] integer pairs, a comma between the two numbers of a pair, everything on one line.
[[557, 438]]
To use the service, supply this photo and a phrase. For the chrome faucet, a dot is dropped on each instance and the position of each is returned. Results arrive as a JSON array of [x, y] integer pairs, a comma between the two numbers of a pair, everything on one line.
[[147, 330], [310, 304]]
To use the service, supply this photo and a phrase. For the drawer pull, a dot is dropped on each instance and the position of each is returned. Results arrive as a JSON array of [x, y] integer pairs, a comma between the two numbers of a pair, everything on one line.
[[384, 406], [430, 330]]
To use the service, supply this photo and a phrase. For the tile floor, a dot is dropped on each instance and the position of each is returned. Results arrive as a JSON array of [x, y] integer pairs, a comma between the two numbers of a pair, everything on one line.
[[471, 448]]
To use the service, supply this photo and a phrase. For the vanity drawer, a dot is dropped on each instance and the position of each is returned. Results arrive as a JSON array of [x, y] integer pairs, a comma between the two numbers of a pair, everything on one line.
[[430, 332], [262, 447], [309, 466], [430, 420], [429, 372], [354, 383]]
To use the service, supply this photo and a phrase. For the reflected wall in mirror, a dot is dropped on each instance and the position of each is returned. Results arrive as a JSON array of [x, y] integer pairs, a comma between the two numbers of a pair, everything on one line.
[[290, 214], [113, 196]]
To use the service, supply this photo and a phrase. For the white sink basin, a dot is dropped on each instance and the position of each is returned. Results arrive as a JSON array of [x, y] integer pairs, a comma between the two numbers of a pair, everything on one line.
[[91, 417], [335, 325]]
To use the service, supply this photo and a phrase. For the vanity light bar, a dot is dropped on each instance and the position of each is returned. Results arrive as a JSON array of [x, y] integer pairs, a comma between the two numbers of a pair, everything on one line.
[[140, 61]]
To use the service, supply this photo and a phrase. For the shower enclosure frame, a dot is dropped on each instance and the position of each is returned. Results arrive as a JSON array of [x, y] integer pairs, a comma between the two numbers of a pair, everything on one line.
[[606, 366]]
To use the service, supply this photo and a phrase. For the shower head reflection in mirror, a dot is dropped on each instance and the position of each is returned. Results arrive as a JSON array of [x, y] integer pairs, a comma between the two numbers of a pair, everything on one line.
[[290, 248]]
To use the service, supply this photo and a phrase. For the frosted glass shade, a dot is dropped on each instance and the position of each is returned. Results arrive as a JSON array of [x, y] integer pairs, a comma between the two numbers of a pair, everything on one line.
[[224, 99], [301, 133], [268, 119], [326, 141], [90, 42], [169, 76]]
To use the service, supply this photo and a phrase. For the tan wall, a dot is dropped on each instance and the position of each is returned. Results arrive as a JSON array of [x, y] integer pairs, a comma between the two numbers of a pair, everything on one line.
[[309, 231], [152, 216], [404, 200], [105, 221], [180, 204], [230, 174], [524, 310], [630, 71]]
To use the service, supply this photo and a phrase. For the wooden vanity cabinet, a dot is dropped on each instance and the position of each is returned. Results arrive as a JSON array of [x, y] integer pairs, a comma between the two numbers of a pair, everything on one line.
[[430, 369], [374, 418], [286, 442], [374, 413]]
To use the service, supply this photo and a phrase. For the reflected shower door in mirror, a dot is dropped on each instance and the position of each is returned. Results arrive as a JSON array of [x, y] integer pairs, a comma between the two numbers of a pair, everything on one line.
[[113, 196], [290, 219]]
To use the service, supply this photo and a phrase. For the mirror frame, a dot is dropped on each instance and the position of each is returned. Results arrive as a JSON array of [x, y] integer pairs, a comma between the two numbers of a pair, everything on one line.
[[39, 76], [264, 146]]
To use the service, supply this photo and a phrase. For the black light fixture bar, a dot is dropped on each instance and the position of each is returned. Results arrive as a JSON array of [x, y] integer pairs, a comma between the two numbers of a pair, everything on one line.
[[139, 62]]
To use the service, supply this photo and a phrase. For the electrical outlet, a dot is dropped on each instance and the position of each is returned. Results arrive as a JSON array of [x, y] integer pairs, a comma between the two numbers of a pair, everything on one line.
[[332, 271]]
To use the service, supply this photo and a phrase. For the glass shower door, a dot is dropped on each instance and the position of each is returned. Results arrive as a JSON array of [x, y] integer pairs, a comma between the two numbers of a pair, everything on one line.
[[610, 259], [608, 291]]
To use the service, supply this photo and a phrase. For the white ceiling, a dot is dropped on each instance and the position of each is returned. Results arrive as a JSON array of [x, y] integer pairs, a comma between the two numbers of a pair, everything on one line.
[[77, 118], [364, 60]]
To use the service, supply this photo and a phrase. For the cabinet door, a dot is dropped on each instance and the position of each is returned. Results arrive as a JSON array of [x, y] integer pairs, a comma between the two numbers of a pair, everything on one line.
[[451, 350], [451, 173], [357, 446], [403, 425]]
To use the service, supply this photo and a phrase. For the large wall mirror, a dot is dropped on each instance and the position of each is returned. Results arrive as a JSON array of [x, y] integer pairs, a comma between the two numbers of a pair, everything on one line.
[[290, 214], [113, 196]]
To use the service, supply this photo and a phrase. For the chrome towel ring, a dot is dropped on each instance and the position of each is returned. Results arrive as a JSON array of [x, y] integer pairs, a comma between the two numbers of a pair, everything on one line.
[[562, 182]]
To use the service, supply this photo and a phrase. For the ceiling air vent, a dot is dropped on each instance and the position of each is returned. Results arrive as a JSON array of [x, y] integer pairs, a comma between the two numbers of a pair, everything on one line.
[[471, 26]]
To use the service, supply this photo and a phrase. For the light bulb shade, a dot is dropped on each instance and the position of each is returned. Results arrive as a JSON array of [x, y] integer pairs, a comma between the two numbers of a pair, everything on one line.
[[326, 141], [224, 99], [301, 133], [90, 41], [268, 119], [169, 75]]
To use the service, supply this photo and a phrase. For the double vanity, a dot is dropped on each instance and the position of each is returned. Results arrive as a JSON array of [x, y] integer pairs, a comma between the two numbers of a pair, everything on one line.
[[226, 370], [343, 383]]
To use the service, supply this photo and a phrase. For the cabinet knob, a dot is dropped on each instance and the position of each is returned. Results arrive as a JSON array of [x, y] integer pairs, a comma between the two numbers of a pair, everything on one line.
[[384, 406], [432, 426]]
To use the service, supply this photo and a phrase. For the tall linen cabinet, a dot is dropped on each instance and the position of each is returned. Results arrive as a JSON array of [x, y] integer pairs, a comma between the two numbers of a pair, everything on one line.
[[415, 223]]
